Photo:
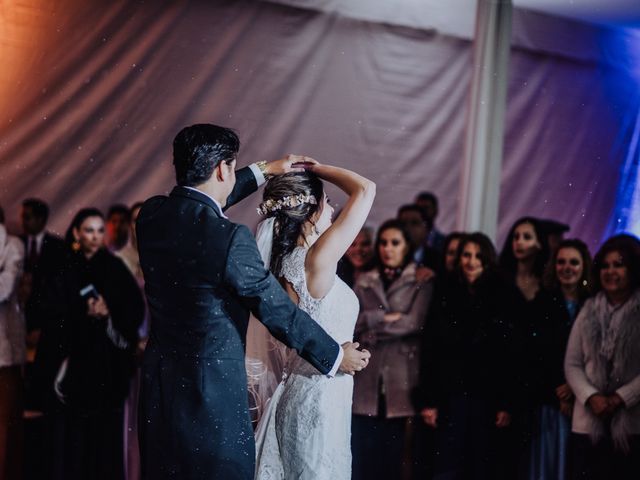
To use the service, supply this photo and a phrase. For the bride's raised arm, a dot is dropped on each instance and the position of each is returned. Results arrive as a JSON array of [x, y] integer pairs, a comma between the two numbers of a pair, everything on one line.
[[324, 254]]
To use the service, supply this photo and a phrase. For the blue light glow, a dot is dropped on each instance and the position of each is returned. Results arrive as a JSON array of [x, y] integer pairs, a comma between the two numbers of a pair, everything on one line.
[[624, 44], [627, 210]]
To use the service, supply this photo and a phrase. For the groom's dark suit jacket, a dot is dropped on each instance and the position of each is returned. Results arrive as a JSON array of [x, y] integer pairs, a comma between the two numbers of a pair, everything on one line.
[[203, 274]]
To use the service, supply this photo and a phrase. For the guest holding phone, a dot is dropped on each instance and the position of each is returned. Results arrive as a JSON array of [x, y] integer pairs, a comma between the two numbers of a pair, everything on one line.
[[98, 308]]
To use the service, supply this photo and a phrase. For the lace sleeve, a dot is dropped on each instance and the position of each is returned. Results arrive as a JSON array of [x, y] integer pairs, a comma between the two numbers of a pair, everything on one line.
[[294, 273]]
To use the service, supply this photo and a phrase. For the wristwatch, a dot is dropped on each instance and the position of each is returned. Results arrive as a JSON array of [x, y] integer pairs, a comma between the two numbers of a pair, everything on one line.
[[263, 169]]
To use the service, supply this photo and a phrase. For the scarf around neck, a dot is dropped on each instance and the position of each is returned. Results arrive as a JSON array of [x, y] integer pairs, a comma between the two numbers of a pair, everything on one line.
[[612, 336]]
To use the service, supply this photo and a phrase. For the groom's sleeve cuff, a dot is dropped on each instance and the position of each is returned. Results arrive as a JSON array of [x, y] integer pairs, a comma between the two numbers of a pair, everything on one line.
[[260, 180], [334, 370]]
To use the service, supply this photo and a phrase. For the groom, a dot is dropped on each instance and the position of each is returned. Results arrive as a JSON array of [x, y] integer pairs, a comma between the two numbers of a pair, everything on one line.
[[203, 275]]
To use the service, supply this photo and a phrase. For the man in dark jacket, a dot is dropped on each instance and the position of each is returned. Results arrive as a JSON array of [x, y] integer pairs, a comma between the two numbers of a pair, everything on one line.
[[203, 275], [44, 255]]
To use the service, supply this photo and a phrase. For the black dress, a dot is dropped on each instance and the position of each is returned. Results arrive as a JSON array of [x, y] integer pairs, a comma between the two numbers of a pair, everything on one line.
[[100, 361], [467, 372], [545, 324]]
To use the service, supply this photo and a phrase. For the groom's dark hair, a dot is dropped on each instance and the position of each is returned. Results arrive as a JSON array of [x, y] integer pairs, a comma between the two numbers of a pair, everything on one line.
[[199, 149]]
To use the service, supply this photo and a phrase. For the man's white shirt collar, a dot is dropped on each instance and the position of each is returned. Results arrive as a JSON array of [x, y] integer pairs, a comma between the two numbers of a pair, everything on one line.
[[38, 238], [210, 197], [256, 173]]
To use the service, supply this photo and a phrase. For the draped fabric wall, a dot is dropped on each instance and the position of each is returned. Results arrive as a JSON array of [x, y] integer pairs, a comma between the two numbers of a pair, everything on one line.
[[94, 93], [566, 140]]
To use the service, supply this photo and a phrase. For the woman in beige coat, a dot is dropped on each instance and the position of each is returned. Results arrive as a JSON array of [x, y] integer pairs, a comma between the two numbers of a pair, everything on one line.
[[393, 307]]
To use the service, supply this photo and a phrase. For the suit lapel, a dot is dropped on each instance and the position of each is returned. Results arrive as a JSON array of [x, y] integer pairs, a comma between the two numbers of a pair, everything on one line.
[[196, 196], [46, 242]]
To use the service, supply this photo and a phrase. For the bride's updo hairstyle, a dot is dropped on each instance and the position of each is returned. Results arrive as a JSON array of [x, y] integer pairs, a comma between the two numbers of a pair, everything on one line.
[[292, 199]]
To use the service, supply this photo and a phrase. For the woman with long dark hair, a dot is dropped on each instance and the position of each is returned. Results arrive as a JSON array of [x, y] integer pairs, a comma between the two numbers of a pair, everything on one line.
[[566, 288], [467, 378], [98, 308], [523, 261], [602, 366], [524, 256], [305, 431], [393, 307]]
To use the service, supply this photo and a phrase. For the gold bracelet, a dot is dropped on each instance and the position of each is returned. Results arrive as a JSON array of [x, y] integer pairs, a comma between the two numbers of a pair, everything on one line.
[[263, 169]]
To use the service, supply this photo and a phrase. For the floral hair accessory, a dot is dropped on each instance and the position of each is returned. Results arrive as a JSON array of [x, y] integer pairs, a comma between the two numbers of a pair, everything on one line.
[[270, 206]]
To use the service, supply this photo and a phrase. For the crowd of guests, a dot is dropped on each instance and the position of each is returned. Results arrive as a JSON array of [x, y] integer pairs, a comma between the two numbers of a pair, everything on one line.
[[72, 324], [523, 364]]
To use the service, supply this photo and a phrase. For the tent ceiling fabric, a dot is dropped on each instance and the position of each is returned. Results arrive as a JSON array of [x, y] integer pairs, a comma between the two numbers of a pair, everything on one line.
[[457, 17], [537, 26], [96, 92], [451, 17]]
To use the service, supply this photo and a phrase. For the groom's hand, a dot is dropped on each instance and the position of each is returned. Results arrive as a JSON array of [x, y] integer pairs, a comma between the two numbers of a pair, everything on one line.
[[354, 360], [286, 165]]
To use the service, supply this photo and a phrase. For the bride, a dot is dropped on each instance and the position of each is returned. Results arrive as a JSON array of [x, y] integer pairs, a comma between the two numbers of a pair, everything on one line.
[[305, 432]]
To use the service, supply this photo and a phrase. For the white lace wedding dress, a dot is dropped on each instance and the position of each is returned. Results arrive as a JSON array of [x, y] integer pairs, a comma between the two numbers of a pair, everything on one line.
[[305, 432]]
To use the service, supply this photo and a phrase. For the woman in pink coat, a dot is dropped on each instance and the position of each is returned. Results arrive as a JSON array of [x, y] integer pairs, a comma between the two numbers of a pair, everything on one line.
[[393, 307]]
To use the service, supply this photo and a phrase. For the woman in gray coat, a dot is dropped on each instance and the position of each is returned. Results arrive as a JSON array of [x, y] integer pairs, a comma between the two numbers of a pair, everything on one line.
[[602, 367], [393, 307]]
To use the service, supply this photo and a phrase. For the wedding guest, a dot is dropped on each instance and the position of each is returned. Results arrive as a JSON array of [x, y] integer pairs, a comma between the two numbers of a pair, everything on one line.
[[429, 203], [358, 258], [99, 309], [117, 224], [44, 255], [602, 366], [467, 367], [524, 256], [393, 309], [566, 287], [450, 249], [554, 231], [422, 433], [523, 260], [419, 226], [12, 355], [130, 257]]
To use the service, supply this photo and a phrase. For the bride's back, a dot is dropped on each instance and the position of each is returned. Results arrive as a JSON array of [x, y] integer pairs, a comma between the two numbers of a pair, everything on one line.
[[336, 312]]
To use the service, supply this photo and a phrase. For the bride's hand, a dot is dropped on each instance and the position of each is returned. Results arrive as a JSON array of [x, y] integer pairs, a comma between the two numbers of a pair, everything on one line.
[[290, 163], [304, 162]]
